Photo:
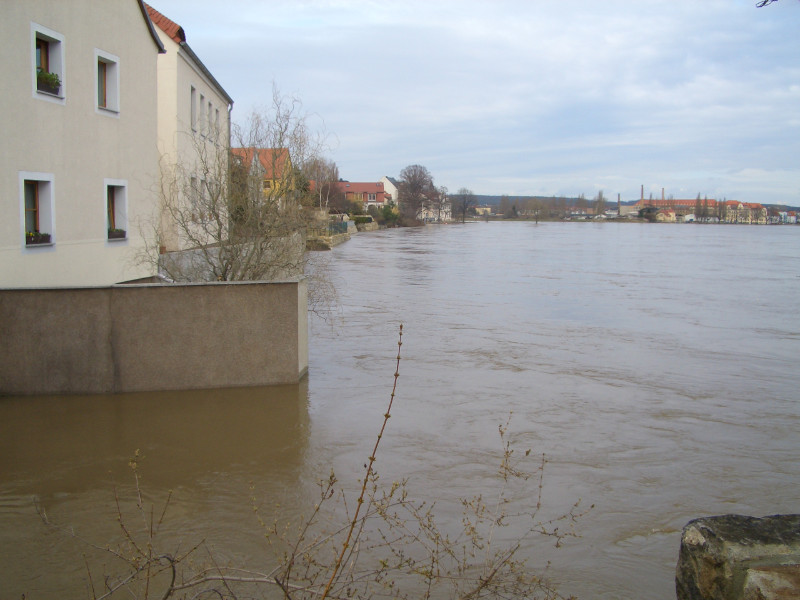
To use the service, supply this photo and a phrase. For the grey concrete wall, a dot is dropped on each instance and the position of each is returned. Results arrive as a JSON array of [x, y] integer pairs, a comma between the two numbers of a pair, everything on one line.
[[152, 337]]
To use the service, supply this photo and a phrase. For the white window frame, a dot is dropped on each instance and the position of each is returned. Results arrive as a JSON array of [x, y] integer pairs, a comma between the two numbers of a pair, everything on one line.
[[112, 83], [46, 209], [120, 207], [57, 64]]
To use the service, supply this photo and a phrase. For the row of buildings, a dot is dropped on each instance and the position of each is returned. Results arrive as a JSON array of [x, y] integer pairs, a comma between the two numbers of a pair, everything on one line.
[[100, 99], [705, 210], [386, 192]]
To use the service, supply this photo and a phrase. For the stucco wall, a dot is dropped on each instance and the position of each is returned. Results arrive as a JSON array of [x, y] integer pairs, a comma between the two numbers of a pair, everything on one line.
[[152, 337], [75, 145]]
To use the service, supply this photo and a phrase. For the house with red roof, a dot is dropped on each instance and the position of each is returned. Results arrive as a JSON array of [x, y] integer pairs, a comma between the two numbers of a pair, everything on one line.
[[369, 193], [79, 150]]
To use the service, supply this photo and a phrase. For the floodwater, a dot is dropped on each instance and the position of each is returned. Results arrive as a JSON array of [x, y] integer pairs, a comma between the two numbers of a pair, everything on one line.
[[654, 365]]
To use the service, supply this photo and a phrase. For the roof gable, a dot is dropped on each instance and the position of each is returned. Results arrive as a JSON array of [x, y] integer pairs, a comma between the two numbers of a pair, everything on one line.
[[273, 161], [171, 28]]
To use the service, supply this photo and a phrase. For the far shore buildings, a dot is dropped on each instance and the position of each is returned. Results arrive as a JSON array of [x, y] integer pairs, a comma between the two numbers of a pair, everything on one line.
[[706, 209]]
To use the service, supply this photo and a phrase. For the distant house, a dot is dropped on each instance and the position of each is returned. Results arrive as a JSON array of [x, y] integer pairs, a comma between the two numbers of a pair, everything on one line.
[[485, 210], [435, 208], [745, 213], [270, 169], [370, 193], [273, 166], [79, 153], [193, 119], [391, 188], [666, 216]]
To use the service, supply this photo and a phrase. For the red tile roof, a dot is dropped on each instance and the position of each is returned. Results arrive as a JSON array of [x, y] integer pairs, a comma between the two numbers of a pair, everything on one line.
[[172, 29], [360, 187], [271, 159]]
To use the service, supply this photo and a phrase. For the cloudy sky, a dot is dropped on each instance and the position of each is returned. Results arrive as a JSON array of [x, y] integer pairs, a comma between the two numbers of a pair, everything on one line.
[[528, 97]]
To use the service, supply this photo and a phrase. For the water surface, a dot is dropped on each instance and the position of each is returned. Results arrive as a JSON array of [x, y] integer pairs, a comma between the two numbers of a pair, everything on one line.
[[654, 365]]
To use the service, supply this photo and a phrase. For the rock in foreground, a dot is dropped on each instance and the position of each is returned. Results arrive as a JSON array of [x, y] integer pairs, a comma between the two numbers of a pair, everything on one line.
[[735, 557]]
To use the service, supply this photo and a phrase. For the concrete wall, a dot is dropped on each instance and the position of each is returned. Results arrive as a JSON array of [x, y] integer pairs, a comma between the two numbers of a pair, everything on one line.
[[152, 337]]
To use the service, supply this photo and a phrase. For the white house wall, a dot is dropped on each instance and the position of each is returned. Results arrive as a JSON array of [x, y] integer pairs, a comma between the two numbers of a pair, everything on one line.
[[178, 139], [76, 145]]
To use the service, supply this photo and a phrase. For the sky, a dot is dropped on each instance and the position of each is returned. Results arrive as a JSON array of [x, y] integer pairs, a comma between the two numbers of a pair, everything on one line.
[[527, 97]]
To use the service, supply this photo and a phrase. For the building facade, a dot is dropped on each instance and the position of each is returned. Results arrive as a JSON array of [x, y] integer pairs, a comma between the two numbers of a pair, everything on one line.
[[370, 193], [78, 154], [194, 125]]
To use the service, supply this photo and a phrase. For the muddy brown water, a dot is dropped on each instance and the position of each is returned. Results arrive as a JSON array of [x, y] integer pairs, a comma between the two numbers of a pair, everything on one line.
[[656, 366]]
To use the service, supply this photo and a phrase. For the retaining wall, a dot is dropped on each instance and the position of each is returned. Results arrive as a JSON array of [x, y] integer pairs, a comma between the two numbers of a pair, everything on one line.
[[142, 337]]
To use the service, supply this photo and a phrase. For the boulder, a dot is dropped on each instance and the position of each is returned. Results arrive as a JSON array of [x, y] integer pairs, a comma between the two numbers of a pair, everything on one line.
[[736, 557]]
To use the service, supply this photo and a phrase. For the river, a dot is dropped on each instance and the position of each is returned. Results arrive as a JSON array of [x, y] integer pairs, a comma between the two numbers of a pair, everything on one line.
[[654, 365]]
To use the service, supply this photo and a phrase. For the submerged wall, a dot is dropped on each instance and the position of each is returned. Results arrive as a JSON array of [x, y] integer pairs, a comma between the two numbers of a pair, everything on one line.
[[152, 337]]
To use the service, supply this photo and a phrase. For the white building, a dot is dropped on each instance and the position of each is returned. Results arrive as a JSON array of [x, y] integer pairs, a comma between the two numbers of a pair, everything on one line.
[[390, 188], [193, 115], [78, 154]]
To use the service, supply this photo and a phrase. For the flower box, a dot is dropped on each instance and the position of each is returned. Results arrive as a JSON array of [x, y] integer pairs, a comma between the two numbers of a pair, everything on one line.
[[35, 237], [48, 82], [117, 234]]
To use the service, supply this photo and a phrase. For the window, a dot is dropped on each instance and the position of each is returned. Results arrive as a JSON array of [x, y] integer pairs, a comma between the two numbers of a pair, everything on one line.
[[193, 108], [210, 124], [47, 47], [216, 126], [116, 208], [107, 82], [202, 125], [36, 203], [371, 197]]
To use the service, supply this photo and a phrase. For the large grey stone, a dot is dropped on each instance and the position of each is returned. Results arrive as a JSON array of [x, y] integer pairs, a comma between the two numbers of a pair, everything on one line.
[[736, 557]]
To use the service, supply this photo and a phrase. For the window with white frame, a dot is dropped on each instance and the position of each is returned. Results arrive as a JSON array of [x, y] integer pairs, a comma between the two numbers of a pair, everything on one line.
[[36, 208], [116, 197], [47, 53], [107, 81]]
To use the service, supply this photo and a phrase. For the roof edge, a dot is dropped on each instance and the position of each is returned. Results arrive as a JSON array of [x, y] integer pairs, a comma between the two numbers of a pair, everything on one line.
[[206, 72], [151, 27]]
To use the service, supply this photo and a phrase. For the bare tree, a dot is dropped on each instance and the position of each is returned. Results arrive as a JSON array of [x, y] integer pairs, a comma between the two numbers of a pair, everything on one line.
[[382, 543], [440, 203], [238, 210], [238, 213], [416, 187], [581, 204], [324, 174], [462, 202], [599, 204], [534, 206]]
